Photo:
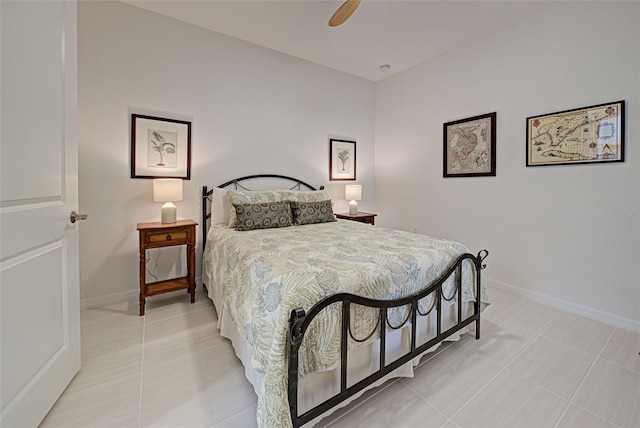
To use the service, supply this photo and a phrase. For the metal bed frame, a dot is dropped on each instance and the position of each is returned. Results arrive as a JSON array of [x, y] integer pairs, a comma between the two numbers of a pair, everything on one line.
[[300, 319]]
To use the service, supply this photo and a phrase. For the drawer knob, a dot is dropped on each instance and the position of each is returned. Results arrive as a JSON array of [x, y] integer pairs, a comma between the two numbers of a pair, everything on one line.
[[168, 237]]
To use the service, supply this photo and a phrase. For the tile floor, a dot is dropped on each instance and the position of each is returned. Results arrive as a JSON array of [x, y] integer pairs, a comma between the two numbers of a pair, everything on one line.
[[534, 366]]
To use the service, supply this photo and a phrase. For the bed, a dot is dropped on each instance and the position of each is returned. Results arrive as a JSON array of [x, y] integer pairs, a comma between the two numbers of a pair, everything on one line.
[[320, 310]]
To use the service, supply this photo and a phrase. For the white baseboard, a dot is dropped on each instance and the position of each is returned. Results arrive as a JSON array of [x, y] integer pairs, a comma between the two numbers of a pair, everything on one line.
[[110, 299], [565, 305], [574, 308]]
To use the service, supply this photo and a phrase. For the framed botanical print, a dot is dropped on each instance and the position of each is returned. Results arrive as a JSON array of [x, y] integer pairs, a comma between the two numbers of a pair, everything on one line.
[[342, 160], [470, 147], [160, 148]]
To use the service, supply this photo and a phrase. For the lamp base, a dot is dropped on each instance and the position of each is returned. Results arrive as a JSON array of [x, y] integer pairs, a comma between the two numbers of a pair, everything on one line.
[[169, 213], [353, 207]]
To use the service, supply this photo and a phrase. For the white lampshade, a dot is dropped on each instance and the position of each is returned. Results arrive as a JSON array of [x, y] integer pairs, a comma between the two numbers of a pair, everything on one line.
[[168, 190], [353, 192]]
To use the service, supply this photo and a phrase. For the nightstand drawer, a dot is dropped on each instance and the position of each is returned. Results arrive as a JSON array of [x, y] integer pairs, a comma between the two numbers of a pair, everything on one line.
[[174, 237]]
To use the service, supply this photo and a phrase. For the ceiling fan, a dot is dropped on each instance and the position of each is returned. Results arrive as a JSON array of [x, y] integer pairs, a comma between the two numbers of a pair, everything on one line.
[[343, 13]]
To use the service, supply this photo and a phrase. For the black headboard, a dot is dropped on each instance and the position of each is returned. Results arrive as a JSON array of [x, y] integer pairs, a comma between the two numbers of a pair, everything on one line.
[[238, 183]]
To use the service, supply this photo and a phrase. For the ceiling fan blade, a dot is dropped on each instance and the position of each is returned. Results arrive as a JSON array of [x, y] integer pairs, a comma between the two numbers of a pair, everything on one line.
[[343, 13]]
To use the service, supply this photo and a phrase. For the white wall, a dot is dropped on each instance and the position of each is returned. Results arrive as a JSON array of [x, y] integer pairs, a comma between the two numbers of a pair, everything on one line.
[[253, 111], [567, 233]]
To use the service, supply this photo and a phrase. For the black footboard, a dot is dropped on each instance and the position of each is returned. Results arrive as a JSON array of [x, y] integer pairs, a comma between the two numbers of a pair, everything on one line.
[[300, 321]]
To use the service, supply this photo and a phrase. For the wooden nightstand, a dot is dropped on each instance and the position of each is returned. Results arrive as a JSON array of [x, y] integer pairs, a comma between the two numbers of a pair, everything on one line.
[[159, 235], [368, 218]]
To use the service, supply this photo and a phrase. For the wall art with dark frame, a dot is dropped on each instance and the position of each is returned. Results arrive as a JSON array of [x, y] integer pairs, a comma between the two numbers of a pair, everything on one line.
[[469, 147], [593, 134], [342, 160], [160, 147]]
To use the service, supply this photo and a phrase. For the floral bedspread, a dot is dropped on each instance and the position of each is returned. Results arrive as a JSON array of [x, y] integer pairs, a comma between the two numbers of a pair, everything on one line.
[[261, 275]]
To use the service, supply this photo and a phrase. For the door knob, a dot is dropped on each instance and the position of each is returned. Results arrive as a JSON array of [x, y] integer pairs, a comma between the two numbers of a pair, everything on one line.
[[74, 216]]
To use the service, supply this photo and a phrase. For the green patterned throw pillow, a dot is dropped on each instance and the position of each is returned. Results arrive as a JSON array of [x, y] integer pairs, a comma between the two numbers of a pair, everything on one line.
[[248, 197], [312, 212], [262, 215]]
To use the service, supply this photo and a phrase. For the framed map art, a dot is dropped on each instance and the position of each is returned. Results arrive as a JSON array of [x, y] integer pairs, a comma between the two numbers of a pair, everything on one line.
[[470, 147], [592, 134]]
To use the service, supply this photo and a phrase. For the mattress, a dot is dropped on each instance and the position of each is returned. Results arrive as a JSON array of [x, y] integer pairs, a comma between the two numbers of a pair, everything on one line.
[[255, 278]]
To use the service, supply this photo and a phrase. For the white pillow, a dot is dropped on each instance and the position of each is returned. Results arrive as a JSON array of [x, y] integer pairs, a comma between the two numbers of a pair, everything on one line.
[[304, 195], [219, 206]]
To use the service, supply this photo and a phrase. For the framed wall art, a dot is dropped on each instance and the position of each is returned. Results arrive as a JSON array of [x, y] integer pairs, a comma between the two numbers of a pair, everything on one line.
[[470, 147], [593, 134], [160, 148], [342, 160]]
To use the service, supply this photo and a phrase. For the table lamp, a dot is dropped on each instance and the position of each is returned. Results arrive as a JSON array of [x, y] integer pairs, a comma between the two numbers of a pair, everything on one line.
[[353, 192], [167, 190]]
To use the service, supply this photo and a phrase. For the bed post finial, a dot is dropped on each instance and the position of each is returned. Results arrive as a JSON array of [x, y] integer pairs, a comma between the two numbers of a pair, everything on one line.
[[295, 326], [482, 254]]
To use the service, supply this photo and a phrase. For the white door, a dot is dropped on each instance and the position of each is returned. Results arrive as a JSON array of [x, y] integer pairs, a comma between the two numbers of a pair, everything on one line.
[[39, 291]]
